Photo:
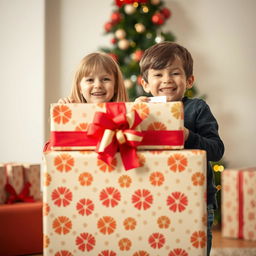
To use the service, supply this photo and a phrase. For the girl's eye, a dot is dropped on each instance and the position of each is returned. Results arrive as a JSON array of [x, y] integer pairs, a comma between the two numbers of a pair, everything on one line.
[[106, 79], [89, 80]]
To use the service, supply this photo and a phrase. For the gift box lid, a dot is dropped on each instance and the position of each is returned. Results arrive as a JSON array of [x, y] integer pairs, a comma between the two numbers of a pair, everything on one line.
[[162, 124]]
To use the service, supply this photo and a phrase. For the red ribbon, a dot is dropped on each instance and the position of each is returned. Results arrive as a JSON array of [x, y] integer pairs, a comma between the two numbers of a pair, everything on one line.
[[240, 205], [23, 196], [115, 120]]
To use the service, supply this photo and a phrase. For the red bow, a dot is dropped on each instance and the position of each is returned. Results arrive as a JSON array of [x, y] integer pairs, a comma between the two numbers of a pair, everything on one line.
[[115, 130], [23, 196]]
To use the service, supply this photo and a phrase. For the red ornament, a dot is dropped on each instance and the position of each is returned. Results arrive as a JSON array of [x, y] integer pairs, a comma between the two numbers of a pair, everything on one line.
[[116, 17], [158, 18], [108, 26], [138, 55], [114, 56], [139, 80], [166, 12], [113, 40]]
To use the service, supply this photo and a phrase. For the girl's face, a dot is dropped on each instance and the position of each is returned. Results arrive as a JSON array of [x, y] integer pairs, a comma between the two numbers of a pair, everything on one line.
[[98, 87]]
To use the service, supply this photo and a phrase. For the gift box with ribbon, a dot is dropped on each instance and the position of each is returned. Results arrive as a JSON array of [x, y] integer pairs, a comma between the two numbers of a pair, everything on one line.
[[3, 181], [141, 125], [238, 201], [32, 175], [16, 188], [92, 208]]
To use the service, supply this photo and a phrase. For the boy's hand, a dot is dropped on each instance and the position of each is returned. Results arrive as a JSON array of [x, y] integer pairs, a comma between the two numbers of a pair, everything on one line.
[[186, 133], [142, 99], [65, 100]]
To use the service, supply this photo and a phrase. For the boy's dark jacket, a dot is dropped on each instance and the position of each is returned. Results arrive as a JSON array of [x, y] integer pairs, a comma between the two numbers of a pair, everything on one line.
[[203, 134]]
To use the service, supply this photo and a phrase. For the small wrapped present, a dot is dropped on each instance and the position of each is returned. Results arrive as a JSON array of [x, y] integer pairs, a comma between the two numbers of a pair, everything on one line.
[[3, 181], [78, 127], [91, 208], [17, 189], [32, 175], [239, 203]]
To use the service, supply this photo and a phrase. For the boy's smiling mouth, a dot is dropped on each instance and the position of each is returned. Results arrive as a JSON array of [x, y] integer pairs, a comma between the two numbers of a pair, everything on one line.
[[168, 89]]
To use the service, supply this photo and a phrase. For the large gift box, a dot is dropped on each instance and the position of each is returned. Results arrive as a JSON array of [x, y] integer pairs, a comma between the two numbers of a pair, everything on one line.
[[91, 208], [239, 203], [77, 127]]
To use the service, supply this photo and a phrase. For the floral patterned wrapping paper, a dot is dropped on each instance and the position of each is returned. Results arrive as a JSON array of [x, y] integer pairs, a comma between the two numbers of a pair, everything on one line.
[[32, 175], [3, 181], [239, 203], [91, 208], [156, 116]]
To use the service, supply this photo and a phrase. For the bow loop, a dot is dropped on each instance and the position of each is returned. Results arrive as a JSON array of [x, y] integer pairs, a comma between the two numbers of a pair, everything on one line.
[[115, 131]]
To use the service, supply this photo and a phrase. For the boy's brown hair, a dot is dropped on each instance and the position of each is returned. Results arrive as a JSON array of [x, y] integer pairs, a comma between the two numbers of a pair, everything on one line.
[[161, 55]]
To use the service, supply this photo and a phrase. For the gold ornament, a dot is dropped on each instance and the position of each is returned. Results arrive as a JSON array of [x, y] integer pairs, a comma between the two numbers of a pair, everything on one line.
[[140, 28], [123, 44], [120, 34], [129, 9], [145, 9], [128, 83]]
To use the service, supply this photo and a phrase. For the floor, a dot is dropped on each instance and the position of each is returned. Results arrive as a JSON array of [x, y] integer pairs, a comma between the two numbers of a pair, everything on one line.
[[231, 247]]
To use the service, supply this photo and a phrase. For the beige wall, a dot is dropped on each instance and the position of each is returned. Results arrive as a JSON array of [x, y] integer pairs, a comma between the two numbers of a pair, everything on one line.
[[219, 34]]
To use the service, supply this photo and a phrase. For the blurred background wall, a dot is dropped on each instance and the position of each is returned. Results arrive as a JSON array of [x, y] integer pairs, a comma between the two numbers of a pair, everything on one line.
[[43, 41]]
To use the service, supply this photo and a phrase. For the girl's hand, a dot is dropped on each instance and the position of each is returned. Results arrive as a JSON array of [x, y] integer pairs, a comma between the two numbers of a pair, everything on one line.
[[142, 99], [65, 100]]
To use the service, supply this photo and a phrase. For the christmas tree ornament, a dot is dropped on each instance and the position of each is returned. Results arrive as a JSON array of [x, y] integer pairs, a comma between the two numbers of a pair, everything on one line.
[[129, 9], [128, 83], [166, 12], [137, 55], [158, 18], [120, 33], [155, 2], [116, 17], [159, 38], [108, 26], [114, 56], [123, 44], [113, 40], [140, 28], [149, 35]]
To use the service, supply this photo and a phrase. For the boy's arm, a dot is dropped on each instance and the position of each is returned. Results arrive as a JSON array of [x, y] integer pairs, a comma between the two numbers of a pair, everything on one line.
[[203, 132]]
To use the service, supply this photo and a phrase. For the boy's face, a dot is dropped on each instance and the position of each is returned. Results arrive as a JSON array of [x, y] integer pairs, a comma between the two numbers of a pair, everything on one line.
[[170, 81]]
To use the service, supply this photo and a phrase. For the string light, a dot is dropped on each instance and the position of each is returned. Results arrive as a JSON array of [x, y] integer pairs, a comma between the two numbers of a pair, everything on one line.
[[218, 168], [145, 9], [218, 187], [135, 4]]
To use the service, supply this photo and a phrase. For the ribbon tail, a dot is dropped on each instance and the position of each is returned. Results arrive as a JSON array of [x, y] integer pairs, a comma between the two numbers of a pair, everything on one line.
[[24, 194], [12, 194], [108, 154], [129, 157]]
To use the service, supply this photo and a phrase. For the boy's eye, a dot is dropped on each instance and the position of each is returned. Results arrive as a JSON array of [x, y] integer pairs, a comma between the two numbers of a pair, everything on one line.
[[158, 74], [176, 73]]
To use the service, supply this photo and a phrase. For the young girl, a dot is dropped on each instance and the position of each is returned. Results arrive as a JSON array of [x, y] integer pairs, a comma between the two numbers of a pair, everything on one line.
[[98, 79]]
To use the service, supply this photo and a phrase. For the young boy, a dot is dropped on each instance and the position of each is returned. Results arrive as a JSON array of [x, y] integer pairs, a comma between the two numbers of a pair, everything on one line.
[[167, 70]]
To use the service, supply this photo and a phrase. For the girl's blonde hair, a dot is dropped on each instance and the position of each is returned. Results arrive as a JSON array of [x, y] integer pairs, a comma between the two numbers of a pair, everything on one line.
[[92, 63]]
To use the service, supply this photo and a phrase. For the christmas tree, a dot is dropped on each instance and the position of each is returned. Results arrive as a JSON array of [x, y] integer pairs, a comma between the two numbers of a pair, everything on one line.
[[135, 25]]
